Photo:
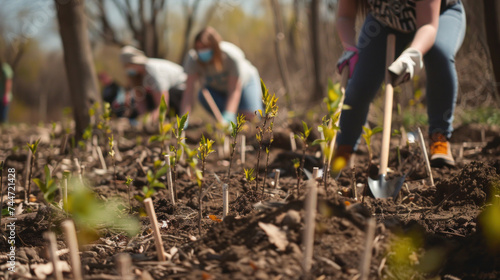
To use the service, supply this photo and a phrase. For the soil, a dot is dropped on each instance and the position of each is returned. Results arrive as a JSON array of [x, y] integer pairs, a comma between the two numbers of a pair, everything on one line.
[[446, 231]]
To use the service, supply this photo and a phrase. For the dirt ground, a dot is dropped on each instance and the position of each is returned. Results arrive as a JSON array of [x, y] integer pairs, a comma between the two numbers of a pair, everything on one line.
[[445, 231]]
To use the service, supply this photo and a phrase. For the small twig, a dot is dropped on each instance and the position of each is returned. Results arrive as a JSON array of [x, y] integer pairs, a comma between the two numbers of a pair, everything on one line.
[[225, 201], [310, 222], [243, 148], [124, 266], [367, 253], [276, 178], [293, 144], [426, 158], [169, 180]]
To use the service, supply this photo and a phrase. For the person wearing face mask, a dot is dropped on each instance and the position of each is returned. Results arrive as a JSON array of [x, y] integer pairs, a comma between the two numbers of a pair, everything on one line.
[[221, 67], [151, 78]]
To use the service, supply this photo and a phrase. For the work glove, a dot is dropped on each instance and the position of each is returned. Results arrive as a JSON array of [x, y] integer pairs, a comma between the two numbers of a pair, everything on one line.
[[405, 66], [348, 58], [228, 117]]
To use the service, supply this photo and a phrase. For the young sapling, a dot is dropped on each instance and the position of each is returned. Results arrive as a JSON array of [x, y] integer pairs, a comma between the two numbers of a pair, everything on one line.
[[181, 123], [368, 139], [111, 152], [270, 112], [128, 182], [48, 187], [204, 150], [303, 138], [164, 128], [249, 175], [235, 130], [33, 148]]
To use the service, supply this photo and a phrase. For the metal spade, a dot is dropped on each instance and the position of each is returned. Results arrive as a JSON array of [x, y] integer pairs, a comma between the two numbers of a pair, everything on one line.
[[383, 188]]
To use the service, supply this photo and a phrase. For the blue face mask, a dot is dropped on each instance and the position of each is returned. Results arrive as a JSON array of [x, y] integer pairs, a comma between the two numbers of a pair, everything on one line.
[[205, 55], [132, 72]]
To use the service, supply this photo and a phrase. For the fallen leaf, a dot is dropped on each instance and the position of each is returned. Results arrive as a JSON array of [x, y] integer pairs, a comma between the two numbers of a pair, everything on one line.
[[276, 235], [214, 218]]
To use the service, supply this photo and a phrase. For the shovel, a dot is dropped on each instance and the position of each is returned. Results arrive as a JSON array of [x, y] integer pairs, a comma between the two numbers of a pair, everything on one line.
[[383, 188]]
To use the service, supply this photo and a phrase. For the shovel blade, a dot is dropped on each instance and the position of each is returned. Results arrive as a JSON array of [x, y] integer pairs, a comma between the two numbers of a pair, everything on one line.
[[382, 188]]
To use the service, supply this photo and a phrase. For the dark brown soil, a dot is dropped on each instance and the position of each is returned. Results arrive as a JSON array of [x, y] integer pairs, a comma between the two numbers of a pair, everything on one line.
[[428, 232]]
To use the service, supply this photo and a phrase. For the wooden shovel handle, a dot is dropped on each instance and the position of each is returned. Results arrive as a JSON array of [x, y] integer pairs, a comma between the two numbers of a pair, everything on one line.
[[389, 95], [212, 105]]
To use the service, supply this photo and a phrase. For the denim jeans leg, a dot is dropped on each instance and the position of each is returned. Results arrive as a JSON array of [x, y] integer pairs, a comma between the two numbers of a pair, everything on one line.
[[442, 81]]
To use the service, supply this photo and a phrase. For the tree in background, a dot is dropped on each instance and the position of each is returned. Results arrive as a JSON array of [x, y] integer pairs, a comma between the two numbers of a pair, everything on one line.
[[492, 24], [78, 60]]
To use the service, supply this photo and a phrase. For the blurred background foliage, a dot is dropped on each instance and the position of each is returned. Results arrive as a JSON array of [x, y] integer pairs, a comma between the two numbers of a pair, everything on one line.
[[29, 42]]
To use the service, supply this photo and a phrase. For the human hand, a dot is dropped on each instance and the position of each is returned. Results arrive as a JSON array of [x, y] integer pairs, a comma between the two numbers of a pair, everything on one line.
[[405, 66], [348, 58]]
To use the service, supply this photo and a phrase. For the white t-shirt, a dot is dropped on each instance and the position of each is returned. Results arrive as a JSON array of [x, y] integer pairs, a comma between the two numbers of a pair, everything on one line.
[[234, 64], [162, 75]]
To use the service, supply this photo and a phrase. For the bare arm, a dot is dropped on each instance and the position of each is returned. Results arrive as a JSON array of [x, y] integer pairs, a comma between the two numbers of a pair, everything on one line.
[[234, 97], [346, 20], [188, 95], [8, 86], [427, 25]]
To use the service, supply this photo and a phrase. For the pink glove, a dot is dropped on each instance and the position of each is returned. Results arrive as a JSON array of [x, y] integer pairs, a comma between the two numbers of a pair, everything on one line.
[[349, 57]]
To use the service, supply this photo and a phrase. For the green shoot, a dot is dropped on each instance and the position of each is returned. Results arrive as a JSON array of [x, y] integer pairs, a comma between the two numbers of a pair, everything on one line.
[[153, 179], [181, 122], [249, 174], [296, 165], [128, 183], [235, 130], [368, 139], [48, 187], [302, 136], [270, 112], [33, 148], [204, 150], [164, 128], [111, 146]]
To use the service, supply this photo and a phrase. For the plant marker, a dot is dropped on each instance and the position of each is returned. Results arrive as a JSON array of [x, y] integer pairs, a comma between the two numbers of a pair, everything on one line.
[[367, 253], [169, 180], [293, 144], [310, 221], [277, 178], [424, 150], [225, 200], [118, 156], [71, 242], [65, 188], [79, 169], [148, 203], [94, 145], [243, 148], [50, 237], [101, 158], [124, 265], [226, 146], [315, 173]]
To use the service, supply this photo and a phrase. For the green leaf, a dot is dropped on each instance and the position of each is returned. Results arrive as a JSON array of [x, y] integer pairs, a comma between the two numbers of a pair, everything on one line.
[[139, 198], [40, 184], [318, 142], [377, 129], [154, 138], [367, 131], [158, 185], [162, 171]]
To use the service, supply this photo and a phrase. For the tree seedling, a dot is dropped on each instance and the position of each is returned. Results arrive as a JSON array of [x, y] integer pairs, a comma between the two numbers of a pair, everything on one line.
[[33, 149], [164, 128], [66, 174], [111, 145], [270, 112], [249, 175], [128, 182], [170, 184], [176, 149], [48, 187], [303, 138], [153, 181], [204, 150], [235, 130]]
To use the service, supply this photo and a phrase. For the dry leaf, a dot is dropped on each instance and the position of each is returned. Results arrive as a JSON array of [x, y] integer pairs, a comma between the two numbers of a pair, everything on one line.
[[214, 218], [276, 235]]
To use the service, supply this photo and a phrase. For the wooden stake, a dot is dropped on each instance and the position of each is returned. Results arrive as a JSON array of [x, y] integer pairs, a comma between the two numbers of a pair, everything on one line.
[[277, 178], [124, 266], [367, 253], [426, 157], [79, 169], [72, 243], [64, 143], [101, 158], [225, 201], [169, 180], [293, 144], [50, 237], [226, 146], [243, 148], [148, 203], [118, 155], [65, 188], [310, 222], [315, 173]]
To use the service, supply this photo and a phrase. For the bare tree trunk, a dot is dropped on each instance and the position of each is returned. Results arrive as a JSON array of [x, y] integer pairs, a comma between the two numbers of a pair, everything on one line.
[[319, 81], [190, 14], [280, 51], [78, 60], [492, 24]]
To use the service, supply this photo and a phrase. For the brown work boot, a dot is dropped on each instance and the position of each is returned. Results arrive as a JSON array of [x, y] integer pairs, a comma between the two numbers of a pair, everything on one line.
[[440, 151], [341, 157]]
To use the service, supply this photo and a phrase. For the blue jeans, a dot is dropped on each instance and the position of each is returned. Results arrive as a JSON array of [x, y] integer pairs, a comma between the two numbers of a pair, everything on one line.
[[442, 81], [4, 112], [251, 97]]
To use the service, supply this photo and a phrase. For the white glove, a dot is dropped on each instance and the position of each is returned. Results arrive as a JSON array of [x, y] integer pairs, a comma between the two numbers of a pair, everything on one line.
[[405, 67]]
